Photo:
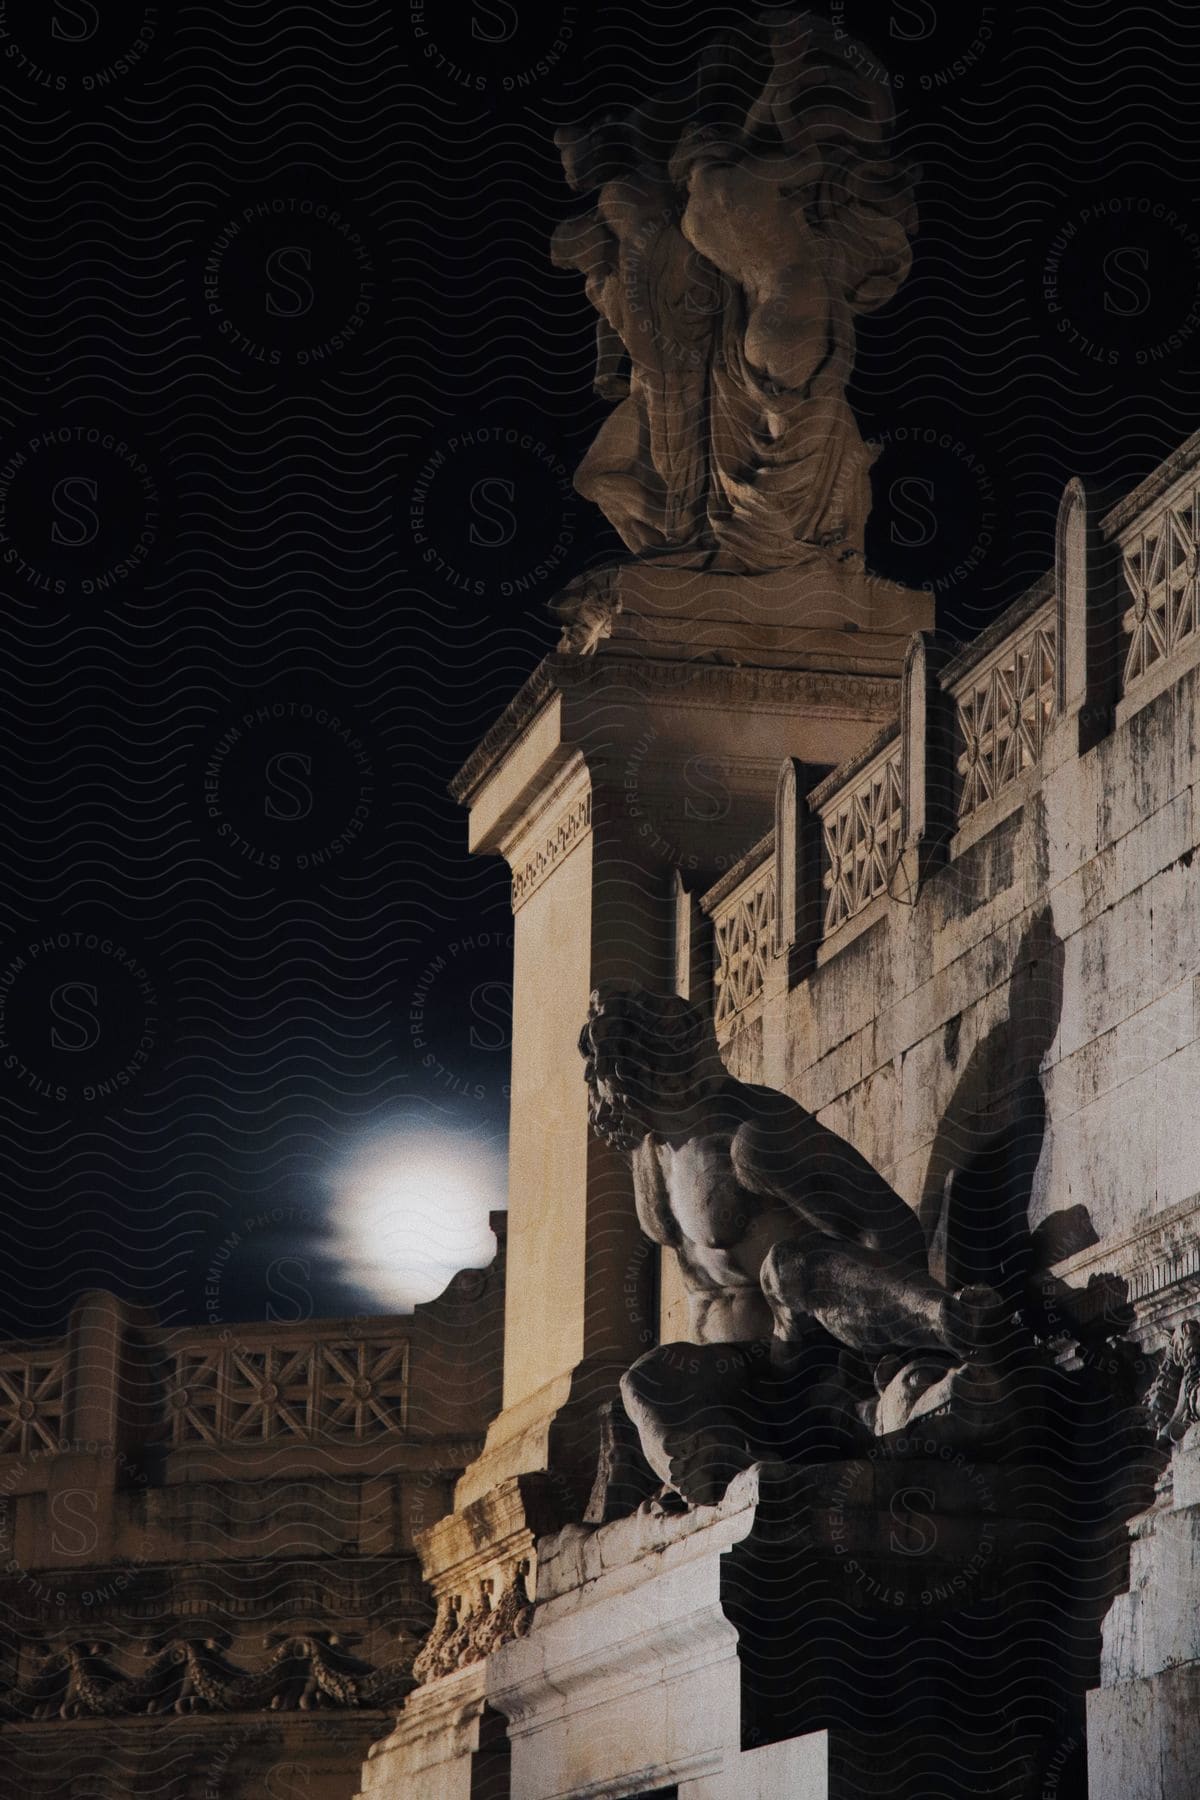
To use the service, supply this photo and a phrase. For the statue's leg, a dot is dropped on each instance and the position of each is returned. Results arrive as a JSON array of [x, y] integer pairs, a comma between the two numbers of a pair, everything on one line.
[[694, 1408], [869, 1303], [618, 477]]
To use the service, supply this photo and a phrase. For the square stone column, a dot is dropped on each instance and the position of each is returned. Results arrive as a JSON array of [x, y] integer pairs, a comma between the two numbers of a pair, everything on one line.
[[643, 755], [608, 778]]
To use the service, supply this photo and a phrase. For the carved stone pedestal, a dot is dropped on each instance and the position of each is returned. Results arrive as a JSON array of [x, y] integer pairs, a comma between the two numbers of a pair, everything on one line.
[[1142, 1737], [824, 615], [479, 1562], [439, 1744], [876, 1629], [630, 1680]]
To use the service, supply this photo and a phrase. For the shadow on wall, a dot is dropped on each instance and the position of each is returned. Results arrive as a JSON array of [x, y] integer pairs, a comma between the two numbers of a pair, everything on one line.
[[979, 1184]]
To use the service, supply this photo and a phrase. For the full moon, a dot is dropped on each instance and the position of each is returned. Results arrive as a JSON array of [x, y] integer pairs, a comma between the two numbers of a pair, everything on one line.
[[409, 1210]]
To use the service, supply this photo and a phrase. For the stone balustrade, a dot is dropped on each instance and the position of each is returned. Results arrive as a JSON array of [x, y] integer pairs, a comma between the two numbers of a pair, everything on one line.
[[1160, 561], [742, 909], [244, 1385], [304, 1384], [208, 1570], [862, 829], [1003, 708], [1115, 621]]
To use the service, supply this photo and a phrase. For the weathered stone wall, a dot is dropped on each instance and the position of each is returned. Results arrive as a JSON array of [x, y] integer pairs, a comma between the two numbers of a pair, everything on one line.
[[1040, 945], [1073, 918]]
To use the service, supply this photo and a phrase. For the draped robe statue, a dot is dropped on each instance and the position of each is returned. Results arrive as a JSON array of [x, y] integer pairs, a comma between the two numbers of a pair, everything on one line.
[[728, 262]]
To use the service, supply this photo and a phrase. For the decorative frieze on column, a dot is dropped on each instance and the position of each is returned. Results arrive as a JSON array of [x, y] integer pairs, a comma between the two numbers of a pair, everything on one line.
[[571, 826]]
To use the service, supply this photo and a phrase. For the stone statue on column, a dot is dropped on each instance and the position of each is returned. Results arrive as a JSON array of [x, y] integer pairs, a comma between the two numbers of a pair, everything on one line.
[[737, 232]]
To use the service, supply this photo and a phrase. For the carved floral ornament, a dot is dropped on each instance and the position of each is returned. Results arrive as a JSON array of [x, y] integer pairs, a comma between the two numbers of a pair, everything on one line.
[[473, 1623], [31, 1402], [309, 1667], [1173, 1402]]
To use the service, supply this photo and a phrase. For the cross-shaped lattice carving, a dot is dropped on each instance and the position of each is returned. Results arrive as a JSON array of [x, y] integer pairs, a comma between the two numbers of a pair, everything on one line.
[[251, 1393], [31, 1402], [743, 933], [1160, 567], [1004, 716], [863, 837]]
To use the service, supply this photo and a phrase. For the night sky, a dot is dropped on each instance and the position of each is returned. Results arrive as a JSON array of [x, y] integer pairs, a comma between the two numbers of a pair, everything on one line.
[[291, 400]]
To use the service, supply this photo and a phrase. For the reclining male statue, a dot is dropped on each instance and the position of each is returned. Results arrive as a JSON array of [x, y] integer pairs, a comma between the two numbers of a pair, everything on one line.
[[793, 1249]]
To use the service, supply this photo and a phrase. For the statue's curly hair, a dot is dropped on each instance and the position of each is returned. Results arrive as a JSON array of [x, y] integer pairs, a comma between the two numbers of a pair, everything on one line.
[[661, 1033], [653, 1044]]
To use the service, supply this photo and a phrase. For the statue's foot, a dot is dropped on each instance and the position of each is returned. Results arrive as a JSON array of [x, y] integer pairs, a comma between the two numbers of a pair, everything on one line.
[[702, 1464], [665, 1504]]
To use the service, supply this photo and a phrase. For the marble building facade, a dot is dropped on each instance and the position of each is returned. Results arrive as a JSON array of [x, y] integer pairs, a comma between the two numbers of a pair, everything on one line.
[[975, 937], [942, 916]]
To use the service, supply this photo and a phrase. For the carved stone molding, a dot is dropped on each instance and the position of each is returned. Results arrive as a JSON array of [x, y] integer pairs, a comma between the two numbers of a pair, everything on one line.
[[568, 830], [479, 1562], [190, 1673], [1159, 1263], [1174, 1400], [688, 683], [472, 1624]]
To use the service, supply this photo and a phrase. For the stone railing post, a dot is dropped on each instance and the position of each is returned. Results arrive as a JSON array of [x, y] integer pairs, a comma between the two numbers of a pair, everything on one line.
[[84, 1477], [693, 946], [1088, 616], [927, 758], [798, 908]]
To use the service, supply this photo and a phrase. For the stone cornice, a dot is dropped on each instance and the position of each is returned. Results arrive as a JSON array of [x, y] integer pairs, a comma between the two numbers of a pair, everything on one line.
[[1159, 1261], [1153, 487], [521, 709], [501, 1525], [1010, 621], [686, 683]]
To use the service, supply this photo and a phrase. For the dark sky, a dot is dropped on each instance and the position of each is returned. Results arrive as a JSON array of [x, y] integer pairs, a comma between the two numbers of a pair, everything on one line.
[[291, 397]]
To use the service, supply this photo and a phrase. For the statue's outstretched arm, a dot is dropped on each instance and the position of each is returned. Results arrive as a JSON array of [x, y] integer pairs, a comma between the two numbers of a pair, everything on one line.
[[784, 1153]]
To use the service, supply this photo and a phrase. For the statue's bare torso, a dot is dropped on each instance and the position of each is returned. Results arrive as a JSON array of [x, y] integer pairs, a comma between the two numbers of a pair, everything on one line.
[[751, 1172], [688, 1198], [782, 1229]]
